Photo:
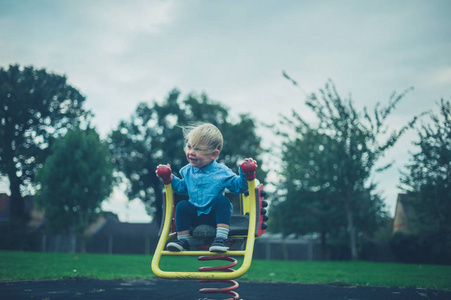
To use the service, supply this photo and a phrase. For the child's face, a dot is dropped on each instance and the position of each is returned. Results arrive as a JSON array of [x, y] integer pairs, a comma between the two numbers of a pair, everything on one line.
[[198, 157]]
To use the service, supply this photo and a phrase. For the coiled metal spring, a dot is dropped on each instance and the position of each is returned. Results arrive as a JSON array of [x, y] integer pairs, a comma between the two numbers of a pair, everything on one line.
[[226, 268]]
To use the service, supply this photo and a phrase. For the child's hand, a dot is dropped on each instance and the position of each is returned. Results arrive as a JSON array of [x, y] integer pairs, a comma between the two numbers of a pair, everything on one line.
[[250, 160], [165, 173], [248, 167]]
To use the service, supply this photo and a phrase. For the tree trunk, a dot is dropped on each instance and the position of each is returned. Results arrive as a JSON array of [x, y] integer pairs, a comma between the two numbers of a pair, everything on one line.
[[83, 243], [84, 222], [17, 203], [323, 245], [351, 229]]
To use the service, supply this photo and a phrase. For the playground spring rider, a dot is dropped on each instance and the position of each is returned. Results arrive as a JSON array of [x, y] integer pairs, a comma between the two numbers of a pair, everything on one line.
[[244, 229]]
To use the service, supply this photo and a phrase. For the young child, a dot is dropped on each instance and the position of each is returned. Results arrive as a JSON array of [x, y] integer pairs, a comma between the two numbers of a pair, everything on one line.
[[205, 181]]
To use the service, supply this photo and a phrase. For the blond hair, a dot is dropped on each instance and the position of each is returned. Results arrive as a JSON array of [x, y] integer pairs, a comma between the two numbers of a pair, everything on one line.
[[203, 134]]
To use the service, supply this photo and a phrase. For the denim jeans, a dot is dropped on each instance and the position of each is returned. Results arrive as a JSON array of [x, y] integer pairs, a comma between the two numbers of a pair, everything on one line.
[[186, 214]]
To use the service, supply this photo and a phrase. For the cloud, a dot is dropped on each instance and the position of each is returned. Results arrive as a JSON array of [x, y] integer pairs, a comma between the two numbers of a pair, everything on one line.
[[116, 25], [441, 75]]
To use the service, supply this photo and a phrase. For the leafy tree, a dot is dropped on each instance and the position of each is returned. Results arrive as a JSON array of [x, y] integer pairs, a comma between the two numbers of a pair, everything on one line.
[[152, 136], [427, 179], [335, 159], [35, 107], [312, 202], [308, 204], [74, 180]]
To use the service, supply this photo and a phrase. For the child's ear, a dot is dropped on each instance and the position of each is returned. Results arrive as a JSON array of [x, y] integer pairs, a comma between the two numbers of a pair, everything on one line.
[[215, 154]]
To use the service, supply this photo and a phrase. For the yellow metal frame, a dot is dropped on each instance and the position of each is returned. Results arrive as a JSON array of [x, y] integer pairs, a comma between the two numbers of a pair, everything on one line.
[[249, 205]]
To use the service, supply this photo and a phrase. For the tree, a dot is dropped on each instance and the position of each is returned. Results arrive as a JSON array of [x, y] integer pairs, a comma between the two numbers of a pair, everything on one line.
[[311, 203], [35, 108], [307, 205], [427, 179], [153, 136], [76, 177], [337, 161]]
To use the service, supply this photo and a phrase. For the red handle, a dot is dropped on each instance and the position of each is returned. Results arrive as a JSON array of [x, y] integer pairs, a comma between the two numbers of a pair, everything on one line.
[[165, 173], [248, 168]]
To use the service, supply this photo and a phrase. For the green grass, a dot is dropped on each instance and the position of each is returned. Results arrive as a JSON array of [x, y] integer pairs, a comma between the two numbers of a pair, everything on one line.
[[16, 266]]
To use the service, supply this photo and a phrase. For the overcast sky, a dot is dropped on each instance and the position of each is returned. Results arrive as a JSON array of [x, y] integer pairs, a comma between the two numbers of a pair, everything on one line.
[[120, 53]]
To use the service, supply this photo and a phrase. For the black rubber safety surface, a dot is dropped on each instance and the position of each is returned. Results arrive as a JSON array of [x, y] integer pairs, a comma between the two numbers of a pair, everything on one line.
[[162, 289]]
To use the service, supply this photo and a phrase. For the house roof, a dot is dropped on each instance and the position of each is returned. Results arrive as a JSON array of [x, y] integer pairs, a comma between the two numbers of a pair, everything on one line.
[[107, 223], [405, 202], [401, 219], [37, 215]]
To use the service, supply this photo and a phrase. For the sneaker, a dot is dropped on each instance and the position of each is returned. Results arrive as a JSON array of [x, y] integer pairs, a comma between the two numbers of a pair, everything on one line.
[[219, 245], [179, 245]]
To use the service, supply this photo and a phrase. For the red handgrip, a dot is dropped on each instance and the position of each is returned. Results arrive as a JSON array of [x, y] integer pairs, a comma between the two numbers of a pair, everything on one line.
[[165, 173], [248, 168]]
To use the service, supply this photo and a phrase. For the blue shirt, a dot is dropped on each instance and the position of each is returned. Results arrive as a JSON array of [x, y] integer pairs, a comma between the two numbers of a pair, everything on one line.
[[203, 185]]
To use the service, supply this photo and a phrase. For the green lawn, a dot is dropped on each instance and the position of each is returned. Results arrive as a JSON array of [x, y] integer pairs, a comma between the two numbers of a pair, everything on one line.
[[16, 266]]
